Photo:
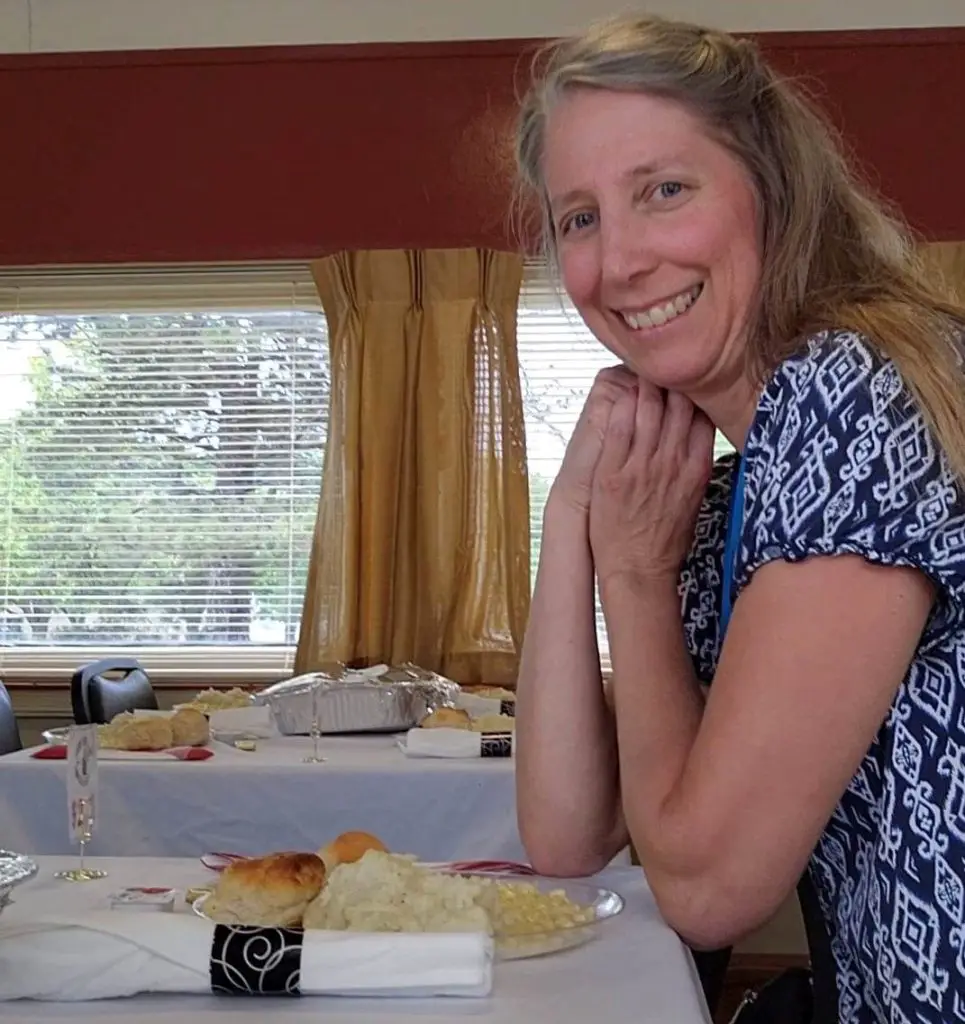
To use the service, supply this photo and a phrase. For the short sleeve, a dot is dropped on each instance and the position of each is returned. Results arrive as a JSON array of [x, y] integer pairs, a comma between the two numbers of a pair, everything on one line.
[[841, 461]]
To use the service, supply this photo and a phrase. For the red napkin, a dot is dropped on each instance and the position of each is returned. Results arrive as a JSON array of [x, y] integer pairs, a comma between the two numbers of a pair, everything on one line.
[[58, 752]]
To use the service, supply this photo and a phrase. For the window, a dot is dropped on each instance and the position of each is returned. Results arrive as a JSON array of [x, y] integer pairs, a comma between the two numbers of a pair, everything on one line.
[[558, 358], [161, 440]]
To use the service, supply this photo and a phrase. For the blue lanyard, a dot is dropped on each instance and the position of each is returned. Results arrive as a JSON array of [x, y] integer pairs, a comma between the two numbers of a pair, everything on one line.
[[731, 547]]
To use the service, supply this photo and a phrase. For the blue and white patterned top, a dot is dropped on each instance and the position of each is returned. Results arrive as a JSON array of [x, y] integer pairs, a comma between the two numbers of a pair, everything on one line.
[[839, 460]]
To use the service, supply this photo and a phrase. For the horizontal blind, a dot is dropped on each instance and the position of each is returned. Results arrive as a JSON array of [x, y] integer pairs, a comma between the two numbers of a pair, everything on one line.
[[559, 358], [161, 441]]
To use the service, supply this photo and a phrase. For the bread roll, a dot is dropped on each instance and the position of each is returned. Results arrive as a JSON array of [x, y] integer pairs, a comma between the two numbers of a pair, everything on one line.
[[136, 732], [447, 718], [348, 848], [494, 723], [492, 692], [272, 891], [190, 728]]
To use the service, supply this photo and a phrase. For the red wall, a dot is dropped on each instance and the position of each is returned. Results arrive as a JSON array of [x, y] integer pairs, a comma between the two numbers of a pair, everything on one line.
[[289, 153]]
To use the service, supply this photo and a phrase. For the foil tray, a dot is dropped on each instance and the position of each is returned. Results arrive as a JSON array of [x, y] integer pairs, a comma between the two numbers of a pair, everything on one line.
[[353, 701], [15, 868]]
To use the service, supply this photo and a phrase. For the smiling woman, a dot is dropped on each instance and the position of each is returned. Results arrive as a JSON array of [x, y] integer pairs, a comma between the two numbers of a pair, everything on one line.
[[712, 237], [656, 237]]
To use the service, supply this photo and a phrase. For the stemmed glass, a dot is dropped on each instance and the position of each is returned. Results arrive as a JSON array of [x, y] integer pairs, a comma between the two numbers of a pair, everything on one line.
[[316, 729], [82, 820]]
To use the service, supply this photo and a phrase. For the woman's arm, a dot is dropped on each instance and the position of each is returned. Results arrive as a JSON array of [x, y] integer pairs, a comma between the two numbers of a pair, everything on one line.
[[725, 808], [567, 785]]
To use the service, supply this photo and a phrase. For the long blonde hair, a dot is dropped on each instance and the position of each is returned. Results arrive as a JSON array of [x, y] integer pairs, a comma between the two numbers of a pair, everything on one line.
[[832, 255]]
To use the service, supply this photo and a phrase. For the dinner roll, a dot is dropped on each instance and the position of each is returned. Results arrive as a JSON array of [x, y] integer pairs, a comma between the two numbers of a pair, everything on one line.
[[272, 891], [190, 728], [136, 732], [447, 718], [348, 848]]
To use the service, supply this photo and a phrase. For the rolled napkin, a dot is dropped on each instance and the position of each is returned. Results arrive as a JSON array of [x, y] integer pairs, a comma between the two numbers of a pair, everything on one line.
[[254, 721], [456, 743], [105, 955], [479, 705]]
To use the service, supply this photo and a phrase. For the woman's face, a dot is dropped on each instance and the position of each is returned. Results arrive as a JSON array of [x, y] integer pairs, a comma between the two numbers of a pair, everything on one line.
[[657, 233]]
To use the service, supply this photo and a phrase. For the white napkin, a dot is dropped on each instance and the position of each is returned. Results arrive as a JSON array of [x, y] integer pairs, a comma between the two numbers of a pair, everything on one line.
[[456, 743], [477, 705], [105, 954], [254, 721]]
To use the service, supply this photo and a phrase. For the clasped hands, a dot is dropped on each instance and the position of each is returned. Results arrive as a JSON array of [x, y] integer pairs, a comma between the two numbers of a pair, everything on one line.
[[638, 465]]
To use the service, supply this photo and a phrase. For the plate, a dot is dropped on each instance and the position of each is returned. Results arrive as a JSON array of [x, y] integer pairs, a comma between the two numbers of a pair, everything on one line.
[[600, 904], [14, 869]]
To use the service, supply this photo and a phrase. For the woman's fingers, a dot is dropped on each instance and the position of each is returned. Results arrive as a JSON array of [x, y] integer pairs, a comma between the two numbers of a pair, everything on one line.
[[678, 417], [618, 438], [648, 420]]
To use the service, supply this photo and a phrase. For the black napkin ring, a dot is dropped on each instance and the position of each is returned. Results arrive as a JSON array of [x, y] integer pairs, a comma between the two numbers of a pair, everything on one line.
[[256, 961]]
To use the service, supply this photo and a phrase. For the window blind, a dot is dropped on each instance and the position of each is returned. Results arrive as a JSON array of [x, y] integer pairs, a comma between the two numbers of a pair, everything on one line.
[[161, 440], [559, 358]]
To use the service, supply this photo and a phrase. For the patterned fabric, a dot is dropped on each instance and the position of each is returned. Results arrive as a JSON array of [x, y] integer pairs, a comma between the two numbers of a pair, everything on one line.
[[840, 461]]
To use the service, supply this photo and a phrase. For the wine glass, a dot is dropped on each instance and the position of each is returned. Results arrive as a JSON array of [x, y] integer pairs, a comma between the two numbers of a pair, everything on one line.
[[316, 730], [82, 820]]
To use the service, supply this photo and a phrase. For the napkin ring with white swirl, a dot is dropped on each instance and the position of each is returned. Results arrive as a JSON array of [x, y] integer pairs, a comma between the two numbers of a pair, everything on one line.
[[256, 961]]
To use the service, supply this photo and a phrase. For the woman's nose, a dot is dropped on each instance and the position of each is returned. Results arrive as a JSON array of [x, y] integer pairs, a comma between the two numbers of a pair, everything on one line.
[[625, 251]]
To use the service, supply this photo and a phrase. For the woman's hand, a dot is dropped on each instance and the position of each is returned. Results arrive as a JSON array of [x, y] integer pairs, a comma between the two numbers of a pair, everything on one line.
[[650, 477], [574, 482]]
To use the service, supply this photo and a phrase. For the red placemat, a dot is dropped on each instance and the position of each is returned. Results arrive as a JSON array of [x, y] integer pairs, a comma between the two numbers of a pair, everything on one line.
[[58, 752]]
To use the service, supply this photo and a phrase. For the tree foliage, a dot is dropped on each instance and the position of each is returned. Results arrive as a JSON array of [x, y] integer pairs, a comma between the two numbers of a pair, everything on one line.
[[161, 474]]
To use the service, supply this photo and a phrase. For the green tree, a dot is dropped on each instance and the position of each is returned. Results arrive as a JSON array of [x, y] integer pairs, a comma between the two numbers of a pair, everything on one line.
[[163, 476]]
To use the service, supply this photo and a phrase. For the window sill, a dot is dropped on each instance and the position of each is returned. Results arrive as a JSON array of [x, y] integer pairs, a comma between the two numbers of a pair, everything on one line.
[[167, 667]]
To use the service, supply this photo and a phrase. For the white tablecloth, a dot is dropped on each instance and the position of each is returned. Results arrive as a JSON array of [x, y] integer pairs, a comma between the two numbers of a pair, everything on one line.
[[269, 800], [635, 972]]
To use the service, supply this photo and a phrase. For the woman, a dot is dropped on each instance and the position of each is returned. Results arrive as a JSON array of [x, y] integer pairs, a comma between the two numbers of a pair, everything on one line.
[[711, 235]]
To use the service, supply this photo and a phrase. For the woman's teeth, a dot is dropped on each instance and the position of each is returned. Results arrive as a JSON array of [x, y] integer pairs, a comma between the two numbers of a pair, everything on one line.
[[663, 313]]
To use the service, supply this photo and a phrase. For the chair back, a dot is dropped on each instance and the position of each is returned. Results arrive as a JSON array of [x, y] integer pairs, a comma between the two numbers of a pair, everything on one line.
[[824, 971], [108, 687], [9, 730]]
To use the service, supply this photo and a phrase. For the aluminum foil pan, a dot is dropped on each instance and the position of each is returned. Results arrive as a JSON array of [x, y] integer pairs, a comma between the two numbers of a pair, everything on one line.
[[367, 700], [15, 868]]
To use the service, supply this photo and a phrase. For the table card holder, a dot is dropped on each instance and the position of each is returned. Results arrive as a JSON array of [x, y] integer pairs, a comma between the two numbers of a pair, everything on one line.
[[316, 728], [81, 798]]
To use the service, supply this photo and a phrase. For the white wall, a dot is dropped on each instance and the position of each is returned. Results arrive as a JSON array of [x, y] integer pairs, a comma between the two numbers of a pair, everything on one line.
[[67, 25]]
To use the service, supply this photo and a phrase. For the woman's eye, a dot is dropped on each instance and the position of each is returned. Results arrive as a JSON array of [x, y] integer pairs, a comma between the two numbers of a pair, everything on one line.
[[576, 222], [669, 189]]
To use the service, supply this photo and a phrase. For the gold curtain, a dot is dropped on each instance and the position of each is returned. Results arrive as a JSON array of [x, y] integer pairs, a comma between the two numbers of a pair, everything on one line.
[[421, 545], [947, 259]]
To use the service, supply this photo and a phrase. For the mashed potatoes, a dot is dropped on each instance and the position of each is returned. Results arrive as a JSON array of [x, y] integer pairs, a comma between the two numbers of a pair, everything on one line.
[[385, 892]]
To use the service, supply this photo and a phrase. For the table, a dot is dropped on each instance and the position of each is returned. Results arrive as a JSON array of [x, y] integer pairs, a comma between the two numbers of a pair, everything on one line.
[[636, 971], [438, 809]]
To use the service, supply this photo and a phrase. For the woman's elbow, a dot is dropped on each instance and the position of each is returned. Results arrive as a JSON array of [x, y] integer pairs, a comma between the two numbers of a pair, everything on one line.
[[708, 915], [566, 855], [560, 862]]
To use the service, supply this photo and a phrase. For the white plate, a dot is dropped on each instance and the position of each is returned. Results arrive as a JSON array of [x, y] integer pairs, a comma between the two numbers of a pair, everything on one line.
[[604, 903]]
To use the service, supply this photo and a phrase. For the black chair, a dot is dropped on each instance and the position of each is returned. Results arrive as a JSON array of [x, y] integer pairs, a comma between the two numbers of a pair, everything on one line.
[[712, 970], [9, 730], [106, 688], [823, 971]]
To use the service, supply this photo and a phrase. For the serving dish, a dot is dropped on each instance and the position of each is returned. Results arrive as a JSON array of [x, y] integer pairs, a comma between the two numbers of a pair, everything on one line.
[[343, 700]]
